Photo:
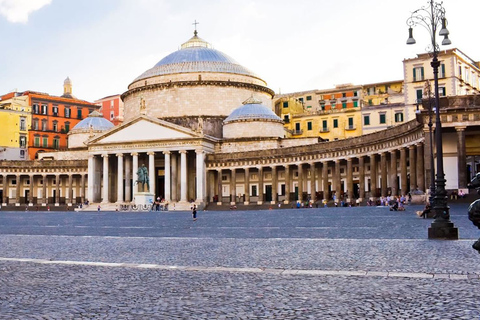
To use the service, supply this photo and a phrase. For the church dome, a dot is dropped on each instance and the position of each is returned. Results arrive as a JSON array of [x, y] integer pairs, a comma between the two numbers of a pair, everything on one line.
[[252, 110], [196, 55], [95, 121], [253, 120]]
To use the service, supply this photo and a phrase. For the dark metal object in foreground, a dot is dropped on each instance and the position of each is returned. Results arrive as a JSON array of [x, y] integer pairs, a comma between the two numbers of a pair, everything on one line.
[[474, 208]]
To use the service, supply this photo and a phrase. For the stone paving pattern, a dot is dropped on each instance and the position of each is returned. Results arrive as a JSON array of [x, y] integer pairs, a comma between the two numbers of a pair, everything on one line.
[[274, 264]]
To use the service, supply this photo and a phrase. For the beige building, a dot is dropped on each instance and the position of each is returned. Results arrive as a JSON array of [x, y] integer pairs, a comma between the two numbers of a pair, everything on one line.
[[458, 75]]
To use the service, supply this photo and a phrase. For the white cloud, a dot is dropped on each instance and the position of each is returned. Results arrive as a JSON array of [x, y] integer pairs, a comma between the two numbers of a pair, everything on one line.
[[17, 11]]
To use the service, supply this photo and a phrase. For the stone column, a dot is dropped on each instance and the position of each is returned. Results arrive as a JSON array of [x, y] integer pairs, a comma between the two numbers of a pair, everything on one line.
[[287, 184], [421, 168], [105, 179], [274, 185], [247, 186], [120, 178], [326, 193], [393, 172], [260, 185], [461, 158], [134, 172], [219, 186], [413, 168], [403, 170], [128, 179], [151, 173], [233, 186], [383, 173], [82, 189], [183, 176], [19, 186], [174, 167], [44, 189], [361, 172], [201, 186], [300, 181], [70, 189], [57, 189], [167, 176], [350, 179], [428, 156], [32, 190], [313, 191], [373, 176], [5, 189], [337, 179]]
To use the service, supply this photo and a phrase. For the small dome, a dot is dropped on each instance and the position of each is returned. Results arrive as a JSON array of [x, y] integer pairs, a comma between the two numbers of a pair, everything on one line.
[[196, 55], [95, 121], [253, 110]]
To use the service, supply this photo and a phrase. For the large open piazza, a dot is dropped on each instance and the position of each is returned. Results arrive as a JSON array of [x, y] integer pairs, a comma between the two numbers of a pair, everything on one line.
[[320, 263]]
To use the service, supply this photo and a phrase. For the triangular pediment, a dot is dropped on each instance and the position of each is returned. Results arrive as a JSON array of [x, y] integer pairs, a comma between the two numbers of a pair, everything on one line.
[[144, 129]]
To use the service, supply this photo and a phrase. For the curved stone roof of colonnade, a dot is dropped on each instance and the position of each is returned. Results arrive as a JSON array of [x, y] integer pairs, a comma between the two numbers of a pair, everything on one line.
[[404, 135]]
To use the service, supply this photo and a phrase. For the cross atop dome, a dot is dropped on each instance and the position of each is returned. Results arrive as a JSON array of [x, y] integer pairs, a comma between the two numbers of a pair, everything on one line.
[[195, 24]]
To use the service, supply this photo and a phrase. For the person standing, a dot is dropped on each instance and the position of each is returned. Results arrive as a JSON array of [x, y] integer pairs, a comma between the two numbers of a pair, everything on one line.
[[194, 212]]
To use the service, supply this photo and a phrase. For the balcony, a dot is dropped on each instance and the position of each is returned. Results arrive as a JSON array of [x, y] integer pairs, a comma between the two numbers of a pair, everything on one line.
[[324, 129], [297, 132], [350, 128]]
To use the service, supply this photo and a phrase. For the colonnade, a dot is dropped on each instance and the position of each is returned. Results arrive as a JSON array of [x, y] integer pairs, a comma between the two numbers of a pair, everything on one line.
[[43, 188], [354, 177], [112, 177]]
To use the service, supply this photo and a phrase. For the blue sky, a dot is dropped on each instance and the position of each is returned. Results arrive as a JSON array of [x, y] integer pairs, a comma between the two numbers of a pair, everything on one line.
[[102, 45]]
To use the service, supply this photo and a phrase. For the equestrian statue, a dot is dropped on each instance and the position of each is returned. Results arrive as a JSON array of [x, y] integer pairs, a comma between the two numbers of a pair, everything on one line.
[[142, 178]]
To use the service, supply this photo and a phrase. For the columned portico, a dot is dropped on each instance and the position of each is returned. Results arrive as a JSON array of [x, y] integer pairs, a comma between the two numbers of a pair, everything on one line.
[[183, 175], [413, 168], [287, 184], [461, 158], [120, 178], [134, 172], [361, 172], [247, 186], [403, 170], [106, 185], [274, 185], [151, 171], [167, 176], [200, 166], [383, 173]]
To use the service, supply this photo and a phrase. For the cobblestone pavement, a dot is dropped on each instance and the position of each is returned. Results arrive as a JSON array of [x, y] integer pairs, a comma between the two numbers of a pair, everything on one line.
[[335, 263]]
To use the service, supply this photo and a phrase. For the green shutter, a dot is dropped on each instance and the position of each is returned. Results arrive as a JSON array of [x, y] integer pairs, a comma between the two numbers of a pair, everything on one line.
[[421, 69], [414, 74]]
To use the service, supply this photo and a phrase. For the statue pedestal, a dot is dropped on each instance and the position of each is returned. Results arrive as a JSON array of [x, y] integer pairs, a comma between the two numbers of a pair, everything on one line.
[[143, 198]]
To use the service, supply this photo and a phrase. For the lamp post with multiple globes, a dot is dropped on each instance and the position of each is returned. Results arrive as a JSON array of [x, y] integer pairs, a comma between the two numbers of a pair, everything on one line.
[[432, 18]]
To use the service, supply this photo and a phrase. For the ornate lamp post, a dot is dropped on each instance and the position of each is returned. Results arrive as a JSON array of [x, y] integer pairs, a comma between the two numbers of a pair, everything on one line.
[[432, 17], [428, 93]]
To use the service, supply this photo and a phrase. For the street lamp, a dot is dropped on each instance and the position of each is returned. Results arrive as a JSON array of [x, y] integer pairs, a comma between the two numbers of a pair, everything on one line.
[[432, 17], [428, 93]]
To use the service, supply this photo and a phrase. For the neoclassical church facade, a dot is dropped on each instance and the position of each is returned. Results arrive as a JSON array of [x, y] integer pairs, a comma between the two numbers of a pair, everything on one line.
[[204, 128]]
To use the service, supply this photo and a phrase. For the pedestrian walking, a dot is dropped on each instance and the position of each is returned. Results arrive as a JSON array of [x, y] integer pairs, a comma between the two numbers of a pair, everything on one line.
[[194, 212]]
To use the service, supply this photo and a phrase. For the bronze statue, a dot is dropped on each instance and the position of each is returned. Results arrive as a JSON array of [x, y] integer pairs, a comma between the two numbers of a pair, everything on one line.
[[474, 208], [142, 177]]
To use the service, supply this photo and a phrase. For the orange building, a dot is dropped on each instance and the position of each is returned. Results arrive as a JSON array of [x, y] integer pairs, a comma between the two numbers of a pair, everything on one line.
[[112, 108], [53, 117]]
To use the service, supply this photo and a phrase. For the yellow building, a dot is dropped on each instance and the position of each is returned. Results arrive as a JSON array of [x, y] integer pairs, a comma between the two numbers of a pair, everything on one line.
[[15, 118], [330, 114], [384, 106]]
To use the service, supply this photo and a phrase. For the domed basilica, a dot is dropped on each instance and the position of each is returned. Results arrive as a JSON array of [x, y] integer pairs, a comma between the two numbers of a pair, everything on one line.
[[200, 127]]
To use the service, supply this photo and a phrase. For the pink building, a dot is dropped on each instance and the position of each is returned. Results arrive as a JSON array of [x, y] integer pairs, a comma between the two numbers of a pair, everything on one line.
[[112, 108]]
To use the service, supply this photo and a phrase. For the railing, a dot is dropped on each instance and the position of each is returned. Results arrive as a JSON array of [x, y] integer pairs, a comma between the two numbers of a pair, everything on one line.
[[325, 129], [297, 132]]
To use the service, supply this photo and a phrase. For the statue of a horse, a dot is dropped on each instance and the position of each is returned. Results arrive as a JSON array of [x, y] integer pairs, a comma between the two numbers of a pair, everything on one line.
[[474, 208]]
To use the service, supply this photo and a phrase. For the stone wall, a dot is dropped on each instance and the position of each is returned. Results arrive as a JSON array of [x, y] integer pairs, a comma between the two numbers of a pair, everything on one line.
[[253, 129]]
